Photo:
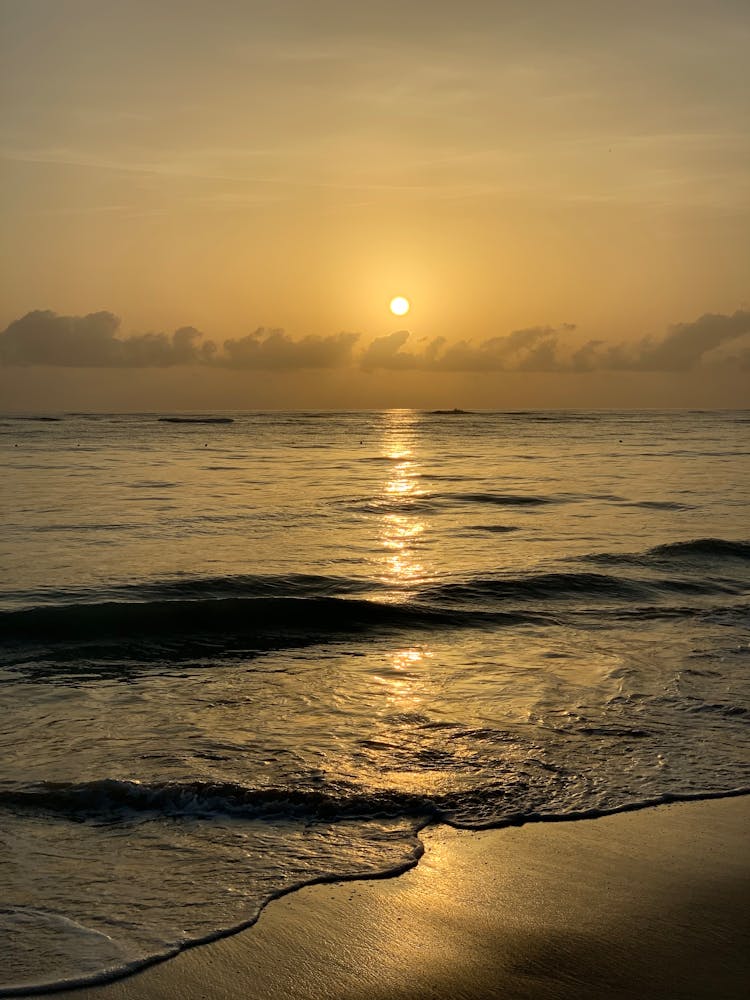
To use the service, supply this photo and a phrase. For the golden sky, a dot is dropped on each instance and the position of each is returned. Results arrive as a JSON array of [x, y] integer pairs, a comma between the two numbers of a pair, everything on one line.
[[562, 190]]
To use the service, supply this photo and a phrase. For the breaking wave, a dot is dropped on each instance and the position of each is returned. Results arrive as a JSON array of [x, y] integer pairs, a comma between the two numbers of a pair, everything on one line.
[[491, 804]]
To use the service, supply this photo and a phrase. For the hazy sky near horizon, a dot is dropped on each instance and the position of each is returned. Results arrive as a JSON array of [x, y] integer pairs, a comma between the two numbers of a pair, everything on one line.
[[562, 190]]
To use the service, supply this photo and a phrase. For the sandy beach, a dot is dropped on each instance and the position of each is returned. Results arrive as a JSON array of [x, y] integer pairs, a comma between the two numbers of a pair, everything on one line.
[[653, 903]]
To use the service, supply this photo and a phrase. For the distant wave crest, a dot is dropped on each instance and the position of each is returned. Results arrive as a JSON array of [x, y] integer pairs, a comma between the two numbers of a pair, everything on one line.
[[695, 550], [713, 547], [437, 502], [240, 615]]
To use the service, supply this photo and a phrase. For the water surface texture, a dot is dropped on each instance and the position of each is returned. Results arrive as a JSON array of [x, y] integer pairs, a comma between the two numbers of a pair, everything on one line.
[[242, 655]]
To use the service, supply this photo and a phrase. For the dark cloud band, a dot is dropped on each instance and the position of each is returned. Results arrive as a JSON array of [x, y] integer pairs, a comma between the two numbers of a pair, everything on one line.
[[92, 341], [44, 338]]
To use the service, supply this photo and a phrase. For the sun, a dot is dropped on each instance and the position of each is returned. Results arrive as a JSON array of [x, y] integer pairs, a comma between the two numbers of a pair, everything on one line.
[[400, 306]]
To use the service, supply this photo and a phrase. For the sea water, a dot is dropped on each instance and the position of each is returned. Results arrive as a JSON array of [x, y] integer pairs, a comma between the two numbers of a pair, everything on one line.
[[240, 657]]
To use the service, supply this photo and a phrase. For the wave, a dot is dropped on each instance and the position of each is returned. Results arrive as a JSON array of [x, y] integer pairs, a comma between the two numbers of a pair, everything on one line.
[[660, 505], [541, 585], [435, 502], [110, 798], [493, 528], [248, 585], [570, 586], [498, 499], [40, 420], [104, 526], [170, 630], [494, 803], [120, 800], [255, 585], [712, 547], [245, 615], [118, 804], [117, 801], [691, 552], [414, 504], [299, 600], [235, 616]]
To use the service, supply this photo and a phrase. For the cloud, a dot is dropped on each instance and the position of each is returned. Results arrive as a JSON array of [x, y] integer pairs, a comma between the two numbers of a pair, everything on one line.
[[531, 349], [548, 349], [44, 338], [275, 350], [684, 347], [385, 352], [687, 343]]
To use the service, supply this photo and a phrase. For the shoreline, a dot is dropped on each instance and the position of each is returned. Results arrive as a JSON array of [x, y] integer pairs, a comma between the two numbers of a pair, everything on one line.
[[500, 912]]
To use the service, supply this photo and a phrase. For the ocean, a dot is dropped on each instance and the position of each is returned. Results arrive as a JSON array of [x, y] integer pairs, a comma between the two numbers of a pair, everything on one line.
[[244, 652]]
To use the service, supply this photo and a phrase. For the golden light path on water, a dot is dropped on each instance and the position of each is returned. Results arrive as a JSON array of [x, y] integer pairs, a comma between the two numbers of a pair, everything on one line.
[[401, 526], [415, 682], [405, 678]]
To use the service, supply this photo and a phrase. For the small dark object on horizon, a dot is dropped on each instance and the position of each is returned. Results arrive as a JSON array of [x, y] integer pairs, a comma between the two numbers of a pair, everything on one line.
[[196, 420], [42, 420]]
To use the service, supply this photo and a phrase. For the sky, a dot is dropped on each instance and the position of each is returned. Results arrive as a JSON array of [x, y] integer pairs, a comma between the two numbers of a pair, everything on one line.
[[210, 205]]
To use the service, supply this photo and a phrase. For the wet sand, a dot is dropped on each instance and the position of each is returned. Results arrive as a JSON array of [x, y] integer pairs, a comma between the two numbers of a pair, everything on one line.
[[647, 904]]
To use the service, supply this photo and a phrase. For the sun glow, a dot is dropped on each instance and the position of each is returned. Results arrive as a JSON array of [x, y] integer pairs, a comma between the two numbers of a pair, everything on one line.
[[400, 306]]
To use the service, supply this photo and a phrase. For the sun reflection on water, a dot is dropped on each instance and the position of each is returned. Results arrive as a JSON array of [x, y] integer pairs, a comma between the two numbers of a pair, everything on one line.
[[401, 528], [402, 681]]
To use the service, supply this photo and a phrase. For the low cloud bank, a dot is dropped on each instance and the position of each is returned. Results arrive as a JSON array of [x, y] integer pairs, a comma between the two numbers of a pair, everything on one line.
[[275, 350], [684, 347], [550, 349], [92, 341], [44, 338], [532, 349]]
